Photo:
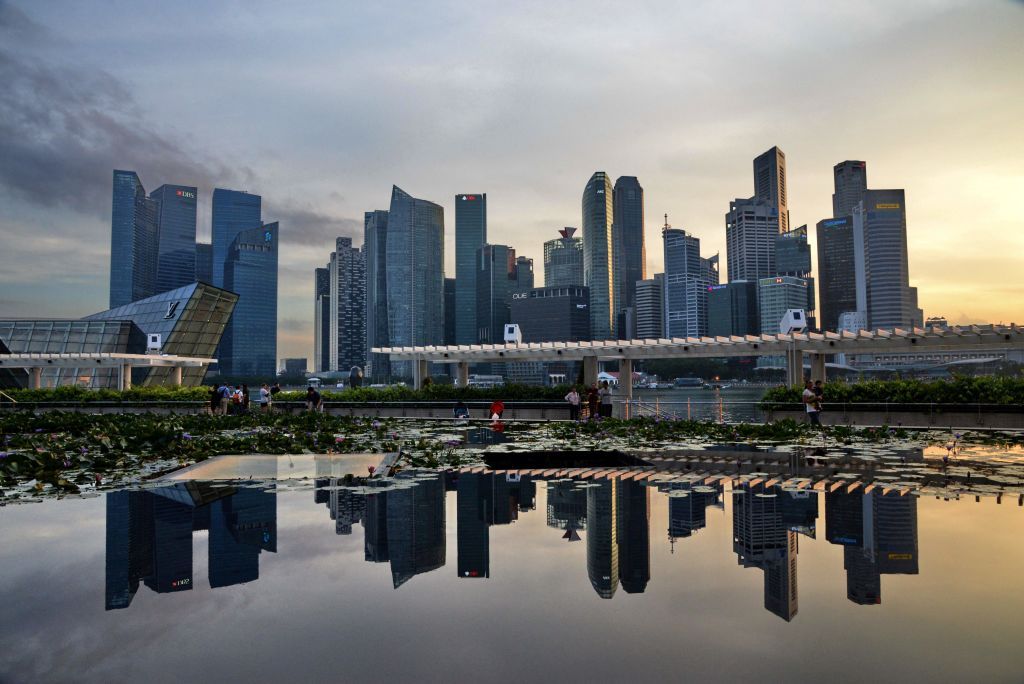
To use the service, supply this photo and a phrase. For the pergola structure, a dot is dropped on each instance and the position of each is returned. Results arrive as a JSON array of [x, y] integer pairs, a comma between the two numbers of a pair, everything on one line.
[[35, 363], [793, 346]]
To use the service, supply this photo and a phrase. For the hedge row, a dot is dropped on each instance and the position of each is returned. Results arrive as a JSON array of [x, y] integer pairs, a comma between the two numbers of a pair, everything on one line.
[[960, 390]]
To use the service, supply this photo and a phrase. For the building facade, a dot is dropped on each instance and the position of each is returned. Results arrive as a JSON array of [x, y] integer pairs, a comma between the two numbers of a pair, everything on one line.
[[563, 260], [837, 276], [733, 309], [851, 182], [598, 257], [249, 347], [134, 241], [750, 229], [776, 296], [770, 184], [551, 314], [793, 258], [234, 211], [322, 319], [628, 251], [687, 277], [883, 273], [495, 282], [470, 236], [348, 306], [176, 225], [375, 248], [650, 308], [450, 309], [204, 262]]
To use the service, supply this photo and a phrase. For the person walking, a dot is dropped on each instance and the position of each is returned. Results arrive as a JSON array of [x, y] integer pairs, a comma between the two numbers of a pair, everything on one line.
[[573, 397], [810, 404], [225, 398], [605, 394], [593, 402], [214, 400], [245, 398], [264, 398]]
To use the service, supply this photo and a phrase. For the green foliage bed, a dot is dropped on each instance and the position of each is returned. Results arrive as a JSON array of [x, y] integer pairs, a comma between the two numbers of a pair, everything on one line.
[[1007, 391]]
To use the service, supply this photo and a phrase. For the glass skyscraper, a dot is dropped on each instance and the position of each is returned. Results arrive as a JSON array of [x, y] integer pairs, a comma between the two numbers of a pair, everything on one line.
[[563, 260], [415, 274], [133, 241], [322, 319], [851, 182], [837, 274], [687, 277], [375, 240], [249, 347], [770, 183], [598, 257], [630, 255], [176, 224], [884, 272], [234, 211], [495, 281], [750, 229], [470, 235], [204, 262]]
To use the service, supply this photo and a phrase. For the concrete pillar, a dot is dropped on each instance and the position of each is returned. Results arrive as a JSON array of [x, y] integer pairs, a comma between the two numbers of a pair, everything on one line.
[[37, 378], [626, 387], [176, 375], [462, 374], [420, 372], [818, 367], [589, 371], [794, 367], [126, 377]]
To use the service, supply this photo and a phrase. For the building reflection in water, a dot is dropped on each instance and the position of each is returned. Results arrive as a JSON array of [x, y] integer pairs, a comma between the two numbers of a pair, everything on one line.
[[486, 499], [149, 537]]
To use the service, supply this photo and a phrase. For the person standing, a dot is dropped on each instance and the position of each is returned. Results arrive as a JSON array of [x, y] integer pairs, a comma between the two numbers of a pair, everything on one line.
[[313, 399], [214, 400], [245, 398], [819, 395], [605, 394], [593, 401], [810, 403], [264, 398], [573, 397]]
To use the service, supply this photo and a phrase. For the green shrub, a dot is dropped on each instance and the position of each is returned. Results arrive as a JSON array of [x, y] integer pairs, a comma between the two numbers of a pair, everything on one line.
[[958, 390]]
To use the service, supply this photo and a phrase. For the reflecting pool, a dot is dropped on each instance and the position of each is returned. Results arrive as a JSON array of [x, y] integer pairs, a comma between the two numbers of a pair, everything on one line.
[[491, 576]]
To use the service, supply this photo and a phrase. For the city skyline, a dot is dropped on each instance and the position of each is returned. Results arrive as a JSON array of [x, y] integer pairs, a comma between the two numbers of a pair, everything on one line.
[[690, 163]]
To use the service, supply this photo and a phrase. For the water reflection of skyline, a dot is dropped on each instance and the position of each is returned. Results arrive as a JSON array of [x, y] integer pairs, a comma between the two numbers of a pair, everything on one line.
[[149, 532]]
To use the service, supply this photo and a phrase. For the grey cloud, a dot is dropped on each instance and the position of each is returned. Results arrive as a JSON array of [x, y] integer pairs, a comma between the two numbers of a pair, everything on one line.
[[307, 227]]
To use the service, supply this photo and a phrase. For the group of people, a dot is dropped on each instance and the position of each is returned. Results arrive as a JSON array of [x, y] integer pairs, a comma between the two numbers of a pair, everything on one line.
[[599, 402], [234, 400]]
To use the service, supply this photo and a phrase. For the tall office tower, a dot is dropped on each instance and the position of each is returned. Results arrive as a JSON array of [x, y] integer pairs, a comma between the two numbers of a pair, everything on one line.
[[837, 276], [375, 247], [881, 261], [524, 273], [563, 260], [176, 224], [415, 274], [650, 306], [732, 309], [598, 256], [633, 511], [628, 252], [687, 277], [449, 310], [470, 235], [495, 283], [793, 258], [602, 538], [762, 540], [134, 241], [851, 182], [322, 319], [750, 229], [249, 345], [204, 262], [770, 183], [233, 212], [775, 296], [348, 306]]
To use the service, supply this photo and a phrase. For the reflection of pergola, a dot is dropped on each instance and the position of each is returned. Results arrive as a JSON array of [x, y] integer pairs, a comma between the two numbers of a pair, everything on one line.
[[35, 363]]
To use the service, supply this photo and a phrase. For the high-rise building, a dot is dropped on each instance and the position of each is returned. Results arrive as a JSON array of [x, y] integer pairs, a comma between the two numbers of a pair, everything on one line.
[[176, 225], [233, 212], [598, 256], [732, 309], [134, 241], [415, 274], [762, 540], [837, 276], [687, 277], [628, 253], [750, 229], [375, 242], [650, 308], [450, 309], [633, 513], [524, 273], [551, 314], [775, 296], [851, 182], [348, 306], [204, 262], [249, 346], [883, 272], [770, 183], [563, 260], [470, 235], [793, 258], [322, 319], [495, 283]]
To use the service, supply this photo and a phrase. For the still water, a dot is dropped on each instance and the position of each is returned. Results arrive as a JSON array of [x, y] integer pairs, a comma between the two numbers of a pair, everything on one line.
[[486, 577], [737, 403]]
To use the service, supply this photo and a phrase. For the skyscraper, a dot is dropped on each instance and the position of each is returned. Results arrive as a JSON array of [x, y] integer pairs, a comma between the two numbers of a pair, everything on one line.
[[375, 247], [837, 278], [628, 252], [233, 212], [524, 273], [176, 225], [650, 308], [563, 260], [598, 257], [470, 235], [750, 229], [348, 306], [884, 273], [770, 183], [204, 262], [449, 311], [776, 296], [633, 513], [687, 277], [732, 309], [495, 283], [249, 345], [793, 258], [602, 538], [134, 241], [851, 182], [415, 274], [322, 319]]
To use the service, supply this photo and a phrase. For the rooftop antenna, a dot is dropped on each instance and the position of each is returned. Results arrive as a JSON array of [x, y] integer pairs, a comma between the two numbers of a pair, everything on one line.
[[666, 226]]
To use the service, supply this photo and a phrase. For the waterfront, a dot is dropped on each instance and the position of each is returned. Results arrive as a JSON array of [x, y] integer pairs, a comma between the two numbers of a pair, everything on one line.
[[737, 403], [443, 579]]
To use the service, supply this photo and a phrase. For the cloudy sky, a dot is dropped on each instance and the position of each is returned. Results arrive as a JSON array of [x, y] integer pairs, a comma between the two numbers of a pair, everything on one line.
[[321, 108]]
